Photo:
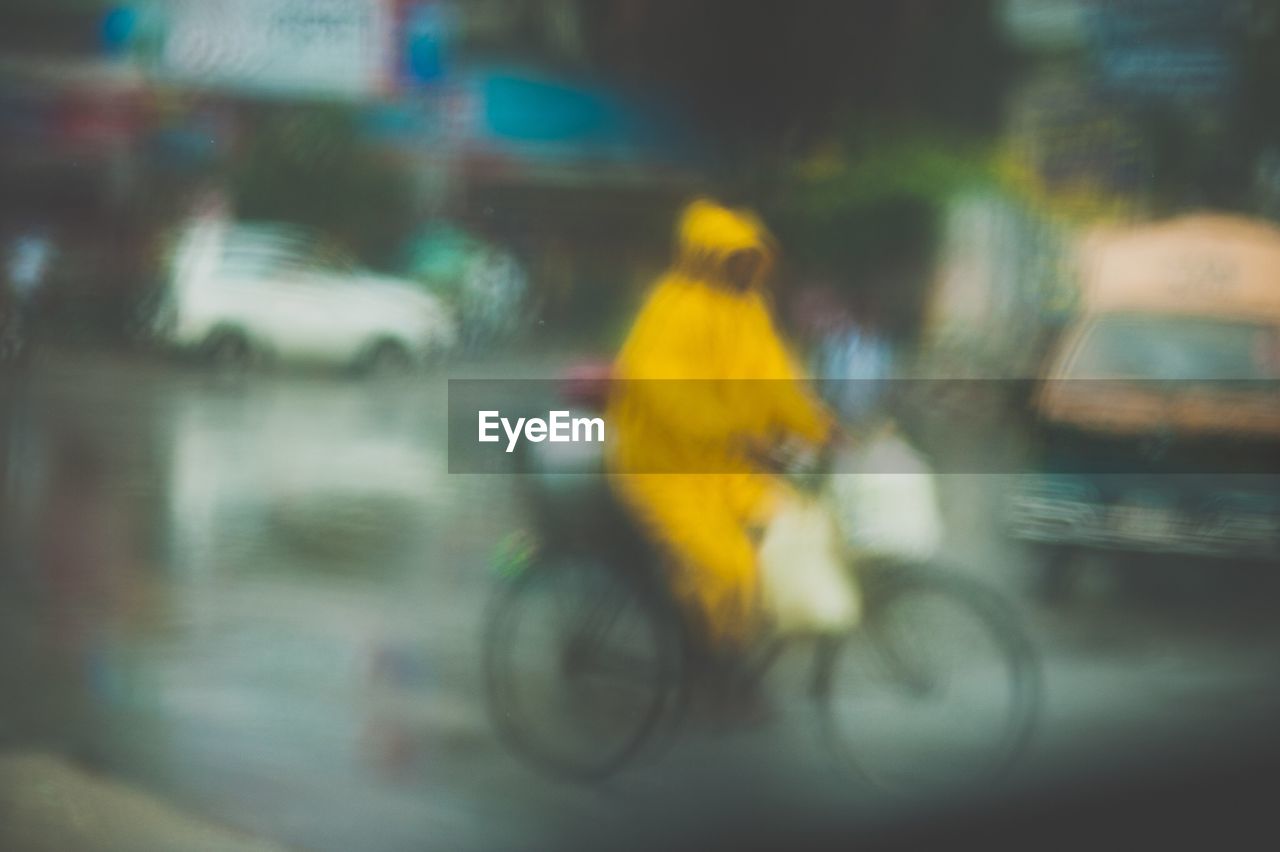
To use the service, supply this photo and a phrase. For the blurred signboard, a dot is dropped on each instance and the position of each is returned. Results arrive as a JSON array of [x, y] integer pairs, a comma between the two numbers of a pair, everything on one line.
[[327, 48], [1167, 49], [51, 107], [543, 117], [1142, 49], [522, 120], [1046, 25]]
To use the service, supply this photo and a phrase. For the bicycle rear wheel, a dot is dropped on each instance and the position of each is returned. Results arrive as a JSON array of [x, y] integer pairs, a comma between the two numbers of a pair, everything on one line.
[[581, 661], [939, 688]]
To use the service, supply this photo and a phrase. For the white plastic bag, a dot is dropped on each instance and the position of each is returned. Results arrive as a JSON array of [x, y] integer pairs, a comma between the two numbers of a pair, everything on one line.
[[888, 504], [804, 576]]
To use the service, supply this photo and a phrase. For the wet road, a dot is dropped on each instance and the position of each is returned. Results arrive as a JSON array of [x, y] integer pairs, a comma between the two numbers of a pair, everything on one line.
[[262, 600]]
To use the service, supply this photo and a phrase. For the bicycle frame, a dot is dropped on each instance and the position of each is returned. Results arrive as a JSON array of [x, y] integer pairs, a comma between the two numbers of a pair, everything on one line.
[[683, 656], [764, 658]]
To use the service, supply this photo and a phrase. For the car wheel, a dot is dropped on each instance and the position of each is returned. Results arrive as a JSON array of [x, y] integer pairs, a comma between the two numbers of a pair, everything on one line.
[[388, 359], [229, 351]]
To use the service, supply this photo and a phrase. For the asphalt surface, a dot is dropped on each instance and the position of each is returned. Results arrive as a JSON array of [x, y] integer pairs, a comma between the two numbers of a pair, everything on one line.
[[260, 600]]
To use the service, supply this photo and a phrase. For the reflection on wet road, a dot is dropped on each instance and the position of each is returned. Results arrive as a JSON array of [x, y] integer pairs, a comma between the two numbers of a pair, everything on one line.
[[262, 600]]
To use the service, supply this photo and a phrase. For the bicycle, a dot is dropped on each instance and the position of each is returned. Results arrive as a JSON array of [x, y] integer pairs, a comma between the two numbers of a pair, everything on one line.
[[587, 658]]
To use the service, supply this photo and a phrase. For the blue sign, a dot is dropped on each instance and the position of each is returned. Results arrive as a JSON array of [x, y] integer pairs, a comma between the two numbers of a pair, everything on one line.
[[1165, 49], [118, 28], [530, 110], [425, 33], [547, 117]]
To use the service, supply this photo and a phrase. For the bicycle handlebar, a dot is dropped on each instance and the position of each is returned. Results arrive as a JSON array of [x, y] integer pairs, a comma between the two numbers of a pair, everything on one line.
[[804, 465]]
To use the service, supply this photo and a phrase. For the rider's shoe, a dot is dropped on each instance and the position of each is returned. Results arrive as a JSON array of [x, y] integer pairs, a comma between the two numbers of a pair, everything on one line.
[[735, 696], [749, 706]]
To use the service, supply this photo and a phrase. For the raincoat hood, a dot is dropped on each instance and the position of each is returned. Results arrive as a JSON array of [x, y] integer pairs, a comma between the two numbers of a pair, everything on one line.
[[710, 234]]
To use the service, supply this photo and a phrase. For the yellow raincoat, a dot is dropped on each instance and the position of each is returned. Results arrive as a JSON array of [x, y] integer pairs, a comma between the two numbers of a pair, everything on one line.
[[703, 370]]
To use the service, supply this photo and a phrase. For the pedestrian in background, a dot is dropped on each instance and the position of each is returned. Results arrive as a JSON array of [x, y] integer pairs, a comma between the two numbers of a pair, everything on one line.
[[26, 272], [493, 297], [855, 363]]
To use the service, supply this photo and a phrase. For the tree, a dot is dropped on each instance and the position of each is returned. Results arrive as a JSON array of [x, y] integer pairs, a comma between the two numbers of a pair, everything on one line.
[[309, 165], [765, 81]]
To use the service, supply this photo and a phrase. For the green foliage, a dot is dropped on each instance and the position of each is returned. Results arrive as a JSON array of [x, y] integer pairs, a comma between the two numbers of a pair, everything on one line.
[[874, 166], [872, 197]]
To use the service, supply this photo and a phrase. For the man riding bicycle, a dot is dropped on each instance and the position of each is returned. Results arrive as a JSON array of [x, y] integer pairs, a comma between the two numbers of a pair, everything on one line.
[[582, 664], [702, 376]]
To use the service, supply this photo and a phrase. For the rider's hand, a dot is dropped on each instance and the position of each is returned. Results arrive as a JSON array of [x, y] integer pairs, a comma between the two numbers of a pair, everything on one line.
[[837, 437], [757, 450]]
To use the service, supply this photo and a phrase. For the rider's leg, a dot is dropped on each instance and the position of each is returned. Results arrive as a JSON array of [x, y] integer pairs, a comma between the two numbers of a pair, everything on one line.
[[704, 521], [717, 579], [714, 558]]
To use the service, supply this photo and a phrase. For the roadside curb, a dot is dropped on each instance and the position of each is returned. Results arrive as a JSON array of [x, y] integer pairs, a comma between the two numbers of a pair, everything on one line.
[[46, 803]]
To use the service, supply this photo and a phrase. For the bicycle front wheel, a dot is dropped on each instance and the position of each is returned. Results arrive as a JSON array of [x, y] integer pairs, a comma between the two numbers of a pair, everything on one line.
[[580, 662], [939, 688]]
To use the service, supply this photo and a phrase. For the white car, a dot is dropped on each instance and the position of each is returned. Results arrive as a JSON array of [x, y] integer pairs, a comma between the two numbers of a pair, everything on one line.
[[239, 293]]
